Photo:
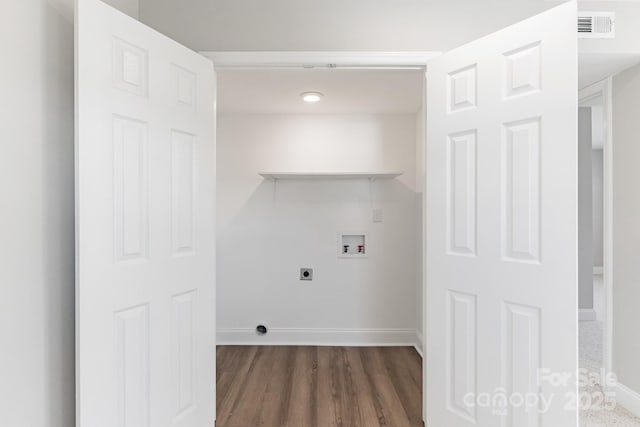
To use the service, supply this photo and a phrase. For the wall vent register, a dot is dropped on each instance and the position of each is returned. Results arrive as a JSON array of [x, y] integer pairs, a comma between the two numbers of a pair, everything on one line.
[[596, 25]]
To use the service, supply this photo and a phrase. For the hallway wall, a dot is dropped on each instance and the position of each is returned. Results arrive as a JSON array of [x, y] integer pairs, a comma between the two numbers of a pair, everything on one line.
[[585, 223], [37, 217], [626, 227], [598, 207]]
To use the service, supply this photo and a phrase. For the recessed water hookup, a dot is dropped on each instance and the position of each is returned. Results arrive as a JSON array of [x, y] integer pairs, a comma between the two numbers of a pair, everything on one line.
[[352, 245]]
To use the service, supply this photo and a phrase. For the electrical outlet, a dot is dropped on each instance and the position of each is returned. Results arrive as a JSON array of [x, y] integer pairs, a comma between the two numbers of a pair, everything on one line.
[[306, 274]]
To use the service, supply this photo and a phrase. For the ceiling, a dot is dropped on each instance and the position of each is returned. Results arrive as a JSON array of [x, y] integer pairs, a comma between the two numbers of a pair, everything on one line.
[[350, 91], [358, 91]]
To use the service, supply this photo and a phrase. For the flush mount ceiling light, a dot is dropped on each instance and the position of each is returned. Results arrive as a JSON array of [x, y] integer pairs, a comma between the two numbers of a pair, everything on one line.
[[311, 96]]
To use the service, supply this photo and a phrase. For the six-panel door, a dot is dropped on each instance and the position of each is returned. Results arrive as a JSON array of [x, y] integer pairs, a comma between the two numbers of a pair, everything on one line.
[[501, 195], [145, 182]]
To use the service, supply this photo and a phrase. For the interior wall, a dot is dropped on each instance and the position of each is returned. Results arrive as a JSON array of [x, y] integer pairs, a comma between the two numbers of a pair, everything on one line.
[[585, 223], [627, 29], [37, 216], [255, 25], [626, 228], [603, 57], [420, 221], [305, 25], [267, 231], [130, 7], [597, 124], [597, 206]]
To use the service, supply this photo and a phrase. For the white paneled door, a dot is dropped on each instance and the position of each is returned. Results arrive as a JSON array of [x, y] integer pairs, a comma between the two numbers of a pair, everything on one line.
[[145, 251], [502, 228]]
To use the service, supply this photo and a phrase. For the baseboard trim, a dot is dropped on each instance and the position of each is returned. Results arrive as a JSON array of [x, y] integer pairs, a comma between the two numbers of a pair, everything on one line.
[[627, 398], [587, 314], [419, 343], [320, 337], [598, 270]]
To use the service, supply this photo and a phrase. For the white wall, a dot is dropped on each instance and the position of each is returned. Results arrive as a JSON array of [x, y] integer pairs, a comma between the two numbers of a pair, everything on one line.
[[36, 218], [626, 227], [627, 28], [332, 24], [266, 232], [597, 122], [130, 7], [420, 220], [598, 207], [601, 58], [363, 24], [585, 223]]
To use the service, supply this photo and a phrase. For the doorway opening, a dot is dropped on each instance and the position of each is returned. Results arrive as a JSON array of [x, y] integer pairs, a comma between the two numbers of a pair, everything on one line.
[[596, 326], [596, 258], [486, 228], [591, 125], [332, 189]]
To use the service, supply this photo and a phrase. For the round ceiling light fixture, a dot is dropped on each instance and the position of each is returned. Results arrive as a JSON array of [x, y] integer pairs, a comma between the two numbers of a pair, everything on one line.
[[311, 96]]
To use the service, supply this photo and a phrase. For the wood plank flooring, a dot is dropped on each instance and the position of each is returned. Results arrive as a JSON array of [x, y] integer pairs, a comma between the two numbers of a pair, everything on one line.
[[271, 386]]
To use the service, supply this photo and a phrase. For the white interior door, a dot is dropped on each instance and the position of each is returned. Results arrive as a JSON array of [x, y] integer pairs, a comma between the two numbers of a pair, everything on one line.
[[502, 227], [145, 182]]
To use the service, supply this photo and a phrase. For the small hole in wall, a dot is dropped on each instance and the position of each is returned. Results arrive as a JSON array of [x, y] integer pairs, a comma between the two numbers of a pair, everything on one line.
[[261, 329]]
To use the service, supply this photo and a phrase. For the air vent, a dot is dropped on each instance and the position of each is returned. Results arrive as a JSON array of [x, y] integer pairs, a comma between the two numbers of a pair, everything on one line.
[[596, 25]]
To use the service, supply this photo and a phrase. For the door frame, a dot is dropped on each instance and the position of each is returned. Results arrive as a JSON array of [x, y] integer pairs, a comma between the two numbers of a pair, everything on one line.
[[418, 60], [603, 88], [346, 60], [330, 59]]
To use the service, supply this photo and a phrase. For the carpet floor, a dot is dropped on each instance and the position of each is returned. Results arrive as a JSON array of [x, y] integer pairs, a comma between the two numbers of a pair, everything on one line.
[[591, 334]]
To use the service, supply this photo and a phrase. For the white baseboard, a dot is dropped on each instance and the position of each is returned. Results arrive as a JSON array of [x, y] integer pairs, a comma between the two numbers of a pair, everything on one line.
[[598, 270], [320, 337], [627, 398], [587, 314], [419, 343]]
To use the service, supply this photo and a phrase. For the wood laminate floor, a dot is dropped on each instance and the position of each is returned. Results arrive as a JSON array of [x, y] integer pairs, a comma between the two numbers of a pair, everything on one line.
[[319, 386]]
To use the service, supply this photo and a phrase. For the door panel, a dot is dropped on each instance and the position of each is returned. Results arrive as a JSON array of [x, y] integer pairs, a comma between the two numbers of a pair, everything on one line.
[[145, 218], [502, 227]]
